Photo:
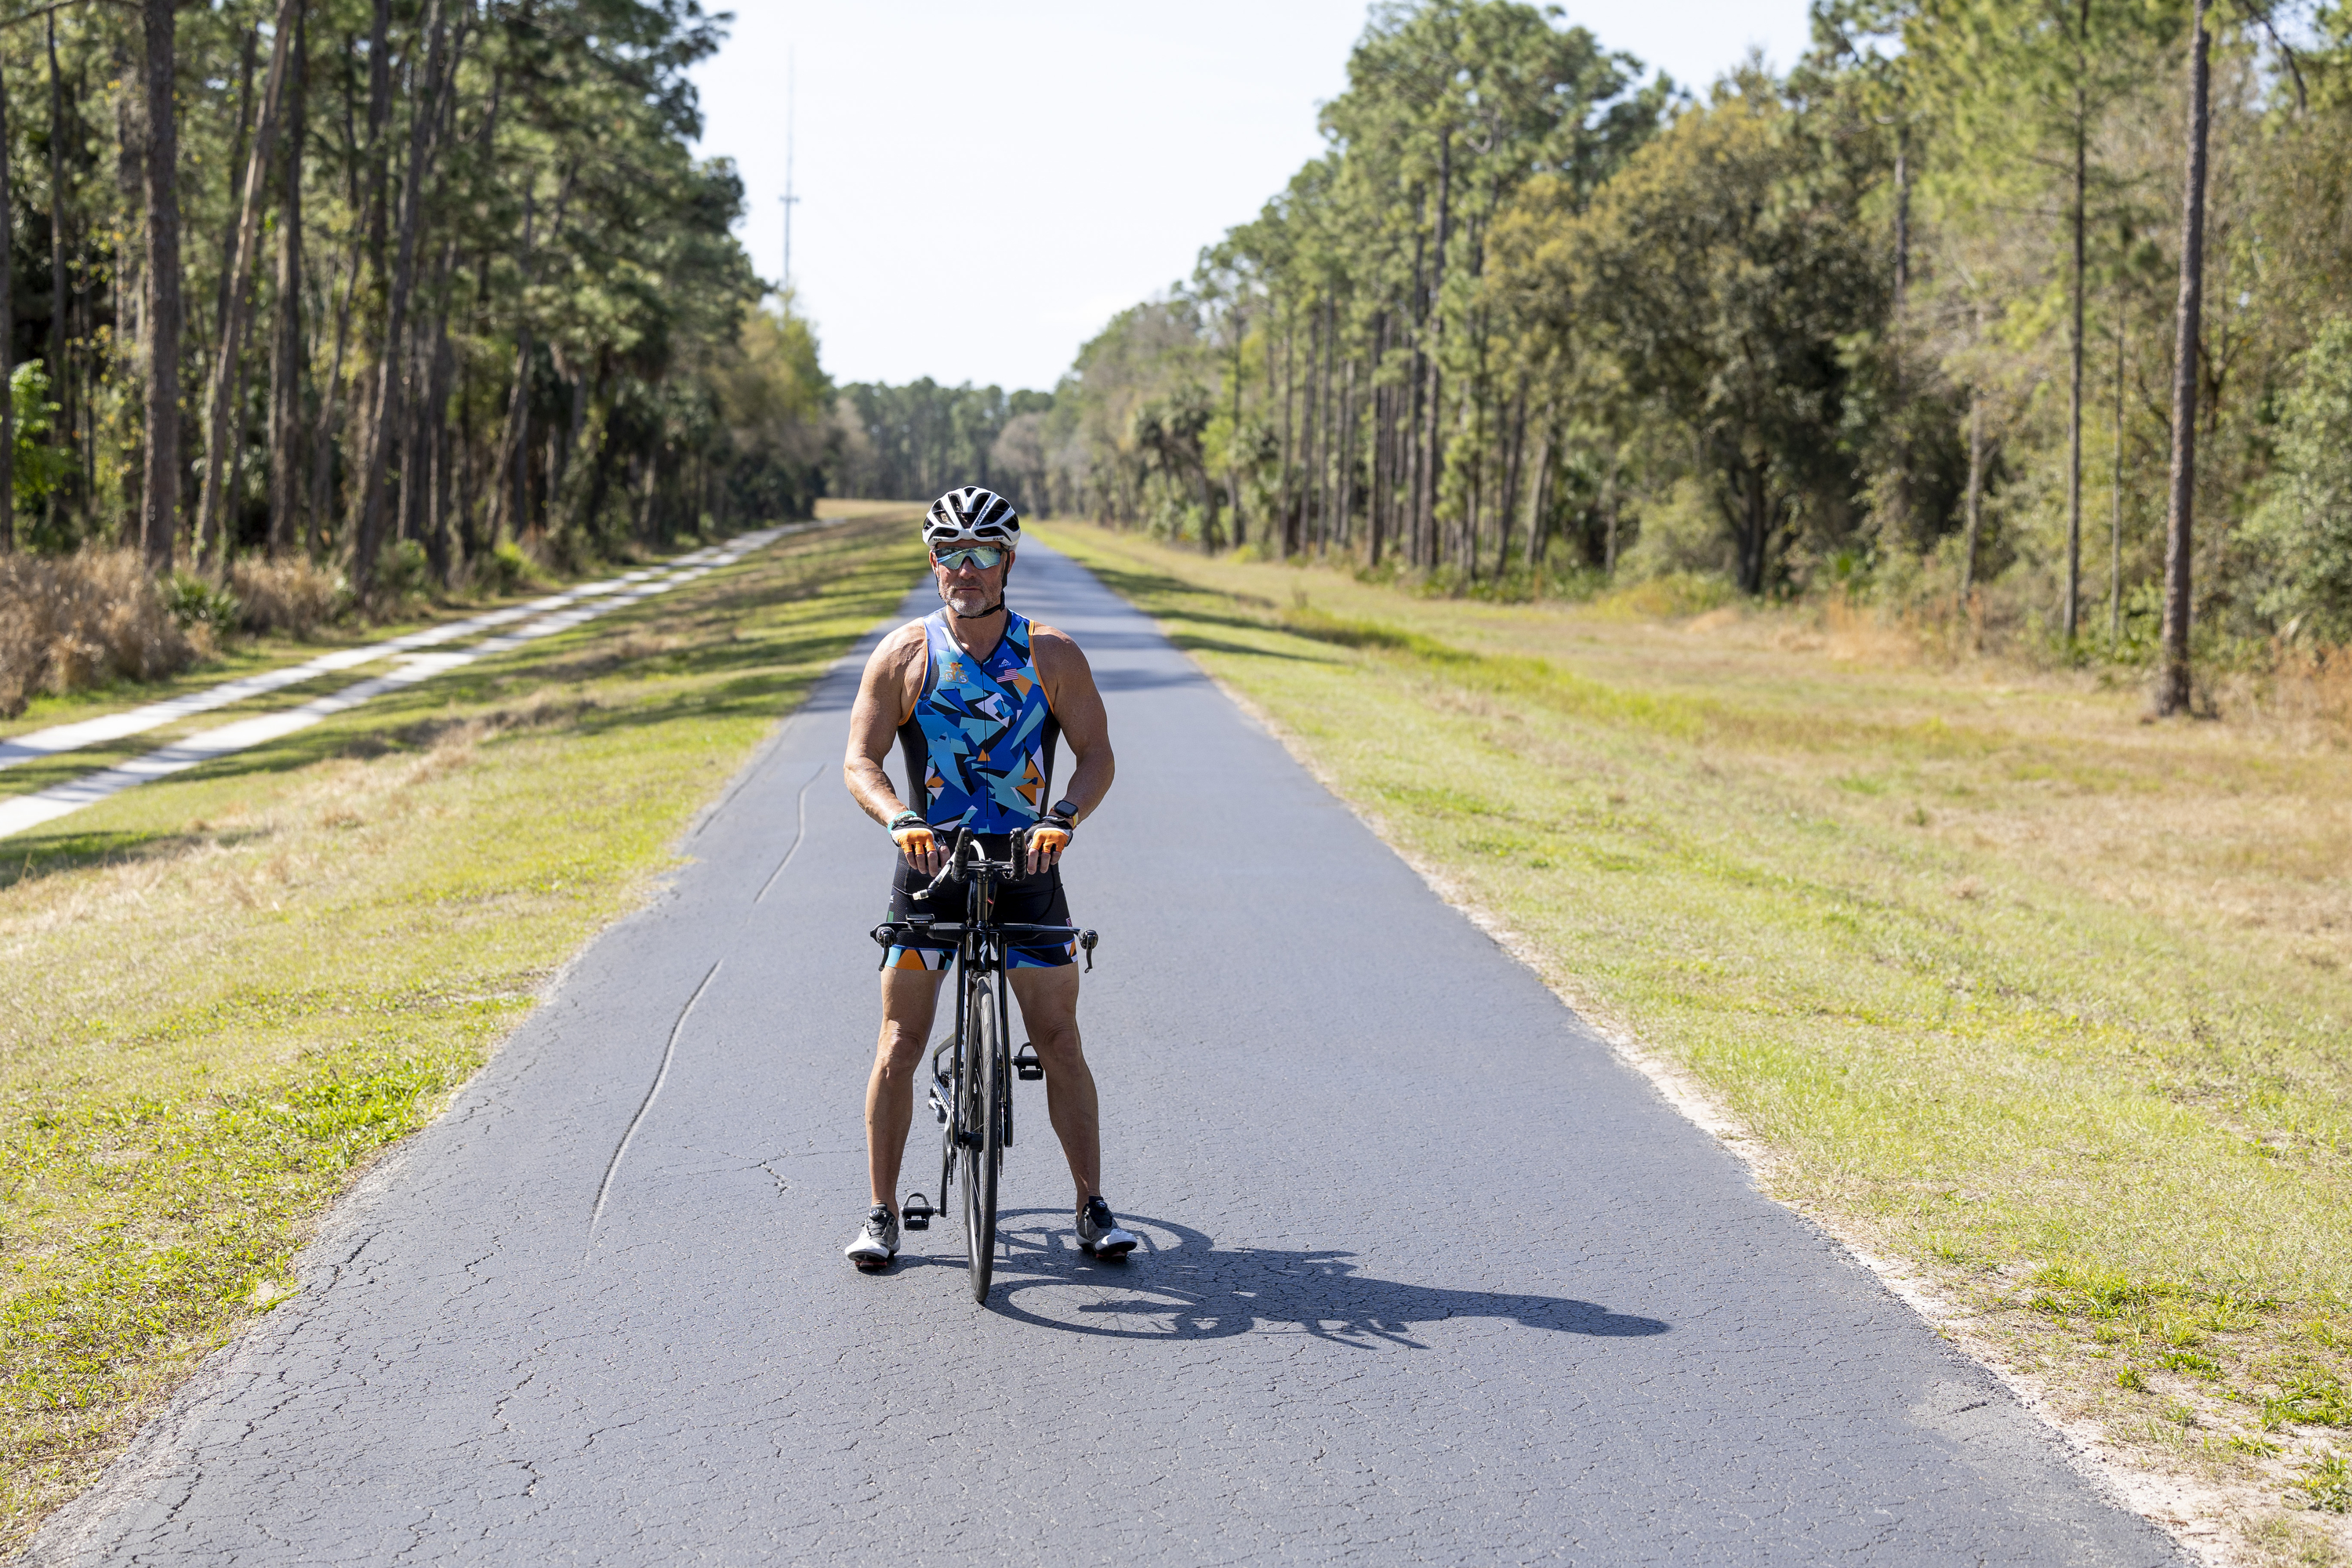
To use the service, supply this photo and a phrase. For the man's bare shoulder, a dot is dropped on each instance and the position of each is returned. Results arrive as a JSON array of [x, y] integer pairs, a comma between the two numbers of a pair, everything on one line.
[[1051, 644], [897, 646]]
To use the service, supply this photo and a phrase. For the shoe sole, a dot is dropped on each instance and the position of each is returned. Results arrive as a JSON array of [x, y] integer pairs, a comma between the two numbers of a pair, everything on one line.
[[872, 1264], [1110, 1253]]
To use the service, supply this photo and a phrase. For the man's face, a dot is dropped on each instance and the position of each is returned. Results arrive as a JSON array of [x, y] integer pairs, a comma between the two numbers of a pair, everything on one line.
[[970, 588]]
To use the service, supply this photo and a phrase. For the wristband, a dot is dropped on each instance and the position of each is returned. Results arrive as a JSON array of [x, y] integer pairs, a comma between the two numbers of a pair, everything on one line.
[[906, 819]]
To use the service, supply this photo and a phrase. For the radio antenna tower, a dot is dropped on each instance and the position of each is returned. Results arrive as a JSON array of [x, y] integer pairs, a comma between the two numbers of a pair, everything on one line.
[[790, 200]]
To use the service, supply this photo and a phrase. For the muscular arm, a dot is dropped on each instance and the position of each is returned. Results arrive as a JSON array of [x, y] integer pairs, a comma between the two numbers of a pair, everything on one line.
[[1078, 708], [885, 695]]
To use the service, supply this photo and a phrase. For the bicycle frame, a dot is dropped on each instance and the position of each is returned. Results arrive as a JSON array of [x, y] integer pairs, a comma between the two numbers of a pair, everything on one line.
[[977, 1113]]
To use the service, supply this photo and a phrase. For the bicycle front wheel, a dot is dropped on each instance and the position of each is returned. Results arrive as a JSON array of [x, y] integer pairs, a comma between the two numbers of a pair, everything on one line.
[[984, 1155]]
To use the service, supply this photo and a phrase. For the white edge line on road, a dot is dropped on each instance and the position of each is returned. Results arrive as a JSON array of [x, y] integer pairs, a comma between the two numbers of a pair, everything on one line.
[[58, 800]]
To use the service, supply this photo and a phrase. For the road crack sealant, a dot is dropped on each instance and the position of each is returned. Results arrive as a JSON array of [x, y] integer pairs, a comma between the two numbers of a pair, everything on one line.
[[669, 1054], [799, 832]]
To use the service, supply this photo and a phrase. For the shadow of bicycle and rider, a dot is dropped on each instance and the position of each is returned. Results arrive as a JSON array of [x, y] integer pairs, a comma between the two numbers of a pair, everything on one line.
[[1180, 1285]]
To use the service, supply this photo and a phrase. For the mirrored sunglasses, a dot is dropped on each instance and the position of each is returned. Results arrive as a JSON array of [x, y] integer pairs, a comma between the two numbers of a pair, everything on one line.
[[981, 556]]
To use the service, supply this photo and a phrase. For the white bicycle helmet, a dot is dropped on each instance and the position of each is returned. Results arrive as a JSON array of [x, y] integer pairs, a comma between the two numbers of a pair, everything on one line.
[[971, 516]]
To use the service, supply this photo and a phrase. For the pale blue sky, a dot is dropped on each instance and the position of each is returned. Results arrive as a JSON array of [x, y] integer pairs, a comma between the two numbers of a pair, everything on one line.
[[983, 184]]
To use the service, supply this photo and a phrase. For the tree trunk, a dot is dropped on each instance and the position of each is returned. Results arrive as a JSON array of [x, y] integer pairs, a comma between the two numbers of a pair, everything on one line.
[[370, 245], [160, 507], [468, 471], [1310, 433], [225, 425], [246, 49], [1301, 533], [2116, 518], [1232, 455], [1407, 532], [2172, 692], [1611, 515], [2080, 218], [1327, 431], [1975, 498], [1756, 504], [324, 434], [390, 403], [1285, 505], [1376, 504], [7, 343], [510, 486], [433, 443], [509, 498], [1344, 512], [379, 118], [1433, 461], [61, 422], [1514, 449], [1542, 473], [286, 522], [1902, 215]]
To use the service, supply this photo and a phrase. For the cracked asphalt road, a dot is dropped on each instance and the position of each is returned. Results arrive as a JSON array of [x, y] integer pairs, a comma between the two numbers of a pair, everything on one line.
[[1430, 1276]]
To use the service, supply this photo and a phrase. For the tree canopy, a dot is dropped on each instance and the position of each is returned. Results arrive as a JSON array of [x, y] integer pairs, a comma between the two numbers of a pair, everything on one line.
[[426, 274], [1532, 315]]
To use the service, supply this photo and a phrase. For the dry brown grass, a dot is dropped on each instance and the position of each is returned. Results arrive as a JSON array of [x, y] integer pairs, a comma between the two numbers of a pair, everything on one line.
[[1853, 634], [2306, 695], [293, 594], [852, 509], [80, 620]]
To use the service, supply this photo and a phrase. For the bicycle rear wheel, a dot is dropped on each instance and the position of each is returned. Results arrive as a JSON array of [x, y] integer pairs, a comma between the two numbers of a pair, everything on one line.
[[984, 1091]]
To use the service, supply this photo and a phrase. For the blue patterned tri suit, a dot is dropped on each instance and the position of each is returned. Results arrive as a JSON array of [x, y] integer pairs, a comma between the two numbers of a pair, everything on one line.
[[979, 747]]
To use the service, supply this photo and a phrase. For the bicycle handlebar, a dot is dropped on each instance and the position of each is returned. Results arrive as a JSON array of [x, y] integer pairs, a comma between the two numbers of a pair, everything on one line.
[[965, 838], [890, 933]]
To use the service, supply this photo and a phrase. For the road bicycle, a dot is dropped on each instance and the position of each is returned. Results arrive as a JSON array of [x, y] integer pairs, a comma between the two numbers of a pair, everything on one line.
[[975, 1067]]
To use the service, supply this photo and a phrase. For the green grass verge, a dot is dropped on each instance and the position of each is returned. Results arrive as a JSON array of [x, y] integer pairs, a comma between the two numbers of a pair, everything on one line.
[[2049, 1004], [226, 992]]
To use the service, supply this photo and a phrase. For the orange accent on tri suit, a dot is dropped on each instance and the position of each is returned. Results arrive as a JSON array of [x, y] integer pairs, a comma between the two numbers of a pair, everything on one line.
[[983, 731]]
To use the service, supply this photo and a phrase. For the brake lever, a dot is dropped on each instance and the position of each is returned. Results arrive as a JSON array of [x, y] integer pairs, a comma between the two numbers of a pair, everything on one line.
[[963, 835]]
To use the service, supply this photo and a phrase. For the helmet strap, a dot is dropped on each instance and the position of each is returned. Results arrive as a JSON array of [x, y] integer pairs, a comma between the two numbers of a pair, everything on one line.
[[962, 617]]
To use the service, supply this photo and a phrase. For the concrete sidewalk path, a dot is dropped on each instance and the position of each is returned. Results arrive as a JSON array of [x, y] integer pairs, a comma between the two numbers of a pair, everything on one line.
[[1430, 1277]]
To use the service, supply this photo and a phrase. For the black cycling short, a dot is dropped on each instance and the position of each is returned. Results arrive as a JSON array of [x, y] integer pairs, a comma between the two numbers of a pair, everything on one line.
[[1032, 900]]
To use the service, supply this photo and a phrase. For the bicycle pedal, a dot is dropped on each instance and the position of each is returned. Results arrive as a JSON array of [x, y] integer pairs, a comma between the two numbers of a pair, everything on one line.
[[938, 1106], [916, 1212], [1025, 1065]]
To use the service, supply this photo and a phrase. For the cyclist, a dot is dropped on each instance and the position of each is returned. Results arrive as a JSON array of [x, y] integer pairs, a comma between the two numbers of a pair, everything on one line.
[[976, 698]]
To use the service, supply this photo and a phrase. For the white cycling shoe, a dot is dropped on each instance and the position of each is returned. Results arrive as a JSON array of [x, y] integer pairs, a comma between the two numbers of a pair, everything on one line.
[[877, 1241], [1099, 1234]]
